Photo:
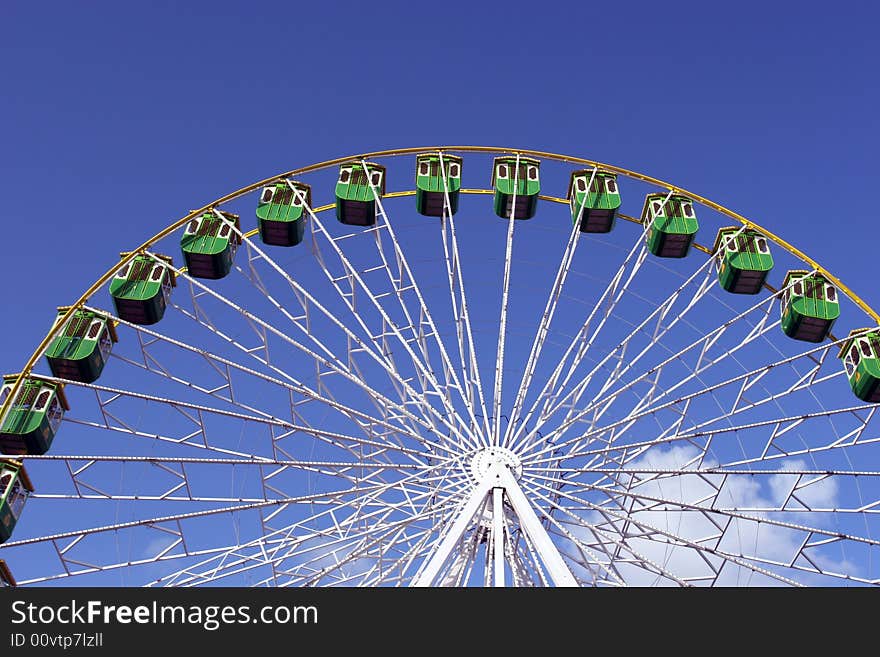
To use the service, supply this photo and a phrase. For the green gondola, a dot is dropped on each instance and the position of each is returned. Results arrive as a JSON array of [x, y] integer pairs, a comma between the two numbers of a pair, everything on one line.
[[860, 353], [281, 212], [209, 243], [597, 206], [15, 487], [33, 419], [431, 191], [522, 201], [141, 289], [6, 578], [809, 306], [80, 352], [743, 259], [673, 224], [355, 200]]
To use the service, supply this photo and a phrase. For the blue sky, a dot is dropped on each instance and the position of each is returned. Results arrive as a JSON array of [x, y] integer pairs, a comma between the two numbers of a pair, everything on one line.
[[117, 119]]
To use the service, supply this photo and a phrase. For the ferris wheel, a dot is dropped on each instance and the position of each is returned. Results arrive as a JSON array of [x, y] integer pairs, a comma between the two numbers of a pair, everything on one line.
[[365, 373]]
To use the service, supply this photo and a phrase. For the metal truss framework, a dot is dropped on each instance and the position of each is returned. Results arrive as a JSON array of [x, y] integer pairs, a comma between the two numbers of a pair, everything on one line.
[[627, 453]]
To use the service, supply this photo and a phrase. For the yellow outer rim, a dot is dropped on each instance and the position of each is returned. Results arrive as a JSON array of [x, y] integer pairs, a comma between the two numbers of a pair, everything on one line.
[[26, 370]]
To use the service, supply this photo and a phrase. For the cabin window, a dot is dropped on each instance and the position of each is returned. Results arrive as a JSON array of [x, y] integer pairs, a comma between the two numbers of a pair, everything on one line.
[[5, 480], [656, 207], [854, 356], [43, 399], [866, 348], [376, 178], [830, 294], [224, 231], [502, 171], [581, 184], [808, 287], [54, 414], [762, 245], [266, 195], [17, 497], [610, 185], [454, 170], [4, 392], [848, 364], [122, 273], [798, 289], [344, 175], [533, 173], [732, 245], [687, 209], [423, 169], [192, 227], [105, 344], [158, 270], [298, 195], [94, 329]]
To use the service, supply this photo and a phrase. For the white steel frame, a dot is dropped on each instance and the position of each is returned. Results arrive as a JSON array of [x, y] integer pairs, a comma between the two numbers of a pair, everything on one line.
[[587, 502]]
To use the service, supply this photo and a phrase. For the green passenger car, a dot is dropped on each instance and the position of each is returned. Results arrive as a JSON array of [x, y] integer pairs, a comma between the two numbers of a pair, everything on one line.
[[743, 259], [594, 197], [6, 578], [34, 417], [431, 191], [860, 354], [281, 212], [809, 306], [81, 350], [673, 224], [15, 487], [355, 199], [209, 243], [516, 189], [141, 288]]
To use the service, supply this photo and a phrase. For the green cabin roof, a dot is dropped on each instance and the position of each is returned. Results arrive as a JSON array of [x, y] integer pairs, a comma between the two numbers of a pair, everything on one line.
[[80, 336], [672, 215], [872, 333], [811, 295], [354, 185], [278, 202], [748, 251], [211, 233], [860, 355], [527, 178], [18, 467], [33, 400], [141, 279], [603, 193], [428, 173]]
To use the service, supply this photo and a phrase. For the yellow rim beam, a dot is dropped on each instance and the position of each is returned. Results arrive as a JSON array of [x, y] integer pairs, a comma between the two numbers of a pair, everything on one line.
[[26, 370]]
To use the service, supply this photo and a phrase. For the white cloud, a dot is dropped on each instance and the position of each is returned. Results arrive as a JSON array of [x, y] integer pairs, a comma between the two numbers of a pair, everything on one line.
[[740, 536]]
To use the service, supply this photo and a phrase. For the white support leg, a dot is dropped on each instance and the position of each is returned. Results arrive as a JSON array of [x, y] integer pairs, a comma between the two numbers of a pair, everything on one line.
[[453, 536], [498, 534], [552, 560], [495, 469]]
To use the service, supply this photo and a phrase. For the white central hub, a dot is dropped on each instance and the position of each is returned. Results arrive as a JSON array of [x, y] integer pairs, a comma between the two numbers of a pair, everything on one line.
[[486, 458]]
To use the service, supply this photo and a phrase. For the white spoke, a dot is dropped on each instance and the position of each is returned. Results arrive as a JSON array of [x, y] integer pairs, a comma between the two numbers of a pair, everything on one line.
[[502, 323], [313, 410]]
